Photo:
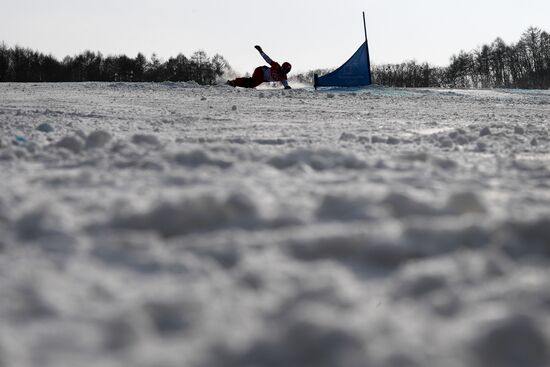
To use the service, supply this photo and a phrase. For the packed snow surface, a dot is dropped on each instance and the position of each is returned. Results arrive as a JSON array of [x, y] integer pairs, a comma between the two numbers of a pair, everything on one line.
[[159, 225]]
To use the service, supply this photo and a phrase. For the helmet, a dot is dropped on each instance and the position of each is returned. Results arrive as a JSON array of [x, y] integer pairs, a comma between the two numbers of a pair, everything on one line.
[[286, 67]]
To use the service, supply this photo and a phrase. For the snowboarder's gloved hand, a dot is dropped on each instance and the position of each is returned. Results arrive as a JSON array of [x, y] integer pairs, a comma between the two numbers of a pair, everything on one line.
[[258, 48], [287, 87]]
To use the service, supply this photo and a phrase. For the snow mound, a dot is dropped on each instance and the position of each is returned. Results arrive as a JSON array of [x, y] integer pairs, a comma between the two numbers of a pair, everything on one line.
[[71, 143], [98, 139], [198, 157], [512, 340], [319, 160], [198, 214]]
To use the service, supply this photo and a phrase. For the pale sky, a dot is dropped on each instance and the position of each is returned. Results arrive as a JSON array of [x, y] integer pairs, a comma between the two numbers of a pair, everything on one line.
[[308, 33]]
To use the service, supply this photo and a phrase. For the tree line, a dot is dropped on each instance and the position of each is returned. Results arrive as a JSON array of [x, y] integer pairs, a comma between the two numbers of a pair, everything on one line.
[[525, 64], [19, 64]]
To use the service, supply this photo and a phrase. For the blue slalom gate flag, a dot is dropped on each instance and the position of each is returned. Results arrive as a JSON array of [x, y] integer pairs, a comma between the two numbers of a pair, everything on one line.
[[353, 73]]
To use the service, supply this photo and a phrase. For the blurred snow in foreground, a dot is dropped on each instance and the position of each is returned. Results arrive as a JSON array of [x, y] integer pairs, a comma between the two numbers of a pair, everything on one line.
[[177, 225]]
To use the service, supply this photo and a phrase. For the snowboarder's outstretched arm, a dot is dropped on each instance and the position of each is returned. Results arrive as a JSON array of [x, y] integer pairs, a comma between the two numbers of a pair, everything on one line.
[[279, 75], [266, 58]]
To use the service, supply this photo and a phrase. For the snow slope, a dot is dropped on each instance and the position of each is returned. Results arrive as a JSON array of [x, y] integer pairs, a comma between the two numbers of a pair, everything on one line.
[[177, 225]]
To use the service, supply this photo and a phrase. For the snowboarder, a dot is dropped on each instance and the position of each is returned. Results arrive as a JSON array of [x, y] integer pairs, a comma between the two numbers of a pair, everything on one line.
[[275, 73]]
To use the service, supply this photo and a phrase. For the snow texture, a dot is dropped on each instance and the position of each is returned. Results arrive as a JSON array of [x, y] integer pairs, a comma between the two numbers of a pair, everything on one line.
[[171, 224]]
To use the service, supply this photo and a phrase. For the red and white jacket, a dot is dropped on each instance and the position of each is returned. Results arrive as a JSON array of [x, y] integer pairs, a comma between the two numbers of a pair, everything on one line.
[[275, 73]]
